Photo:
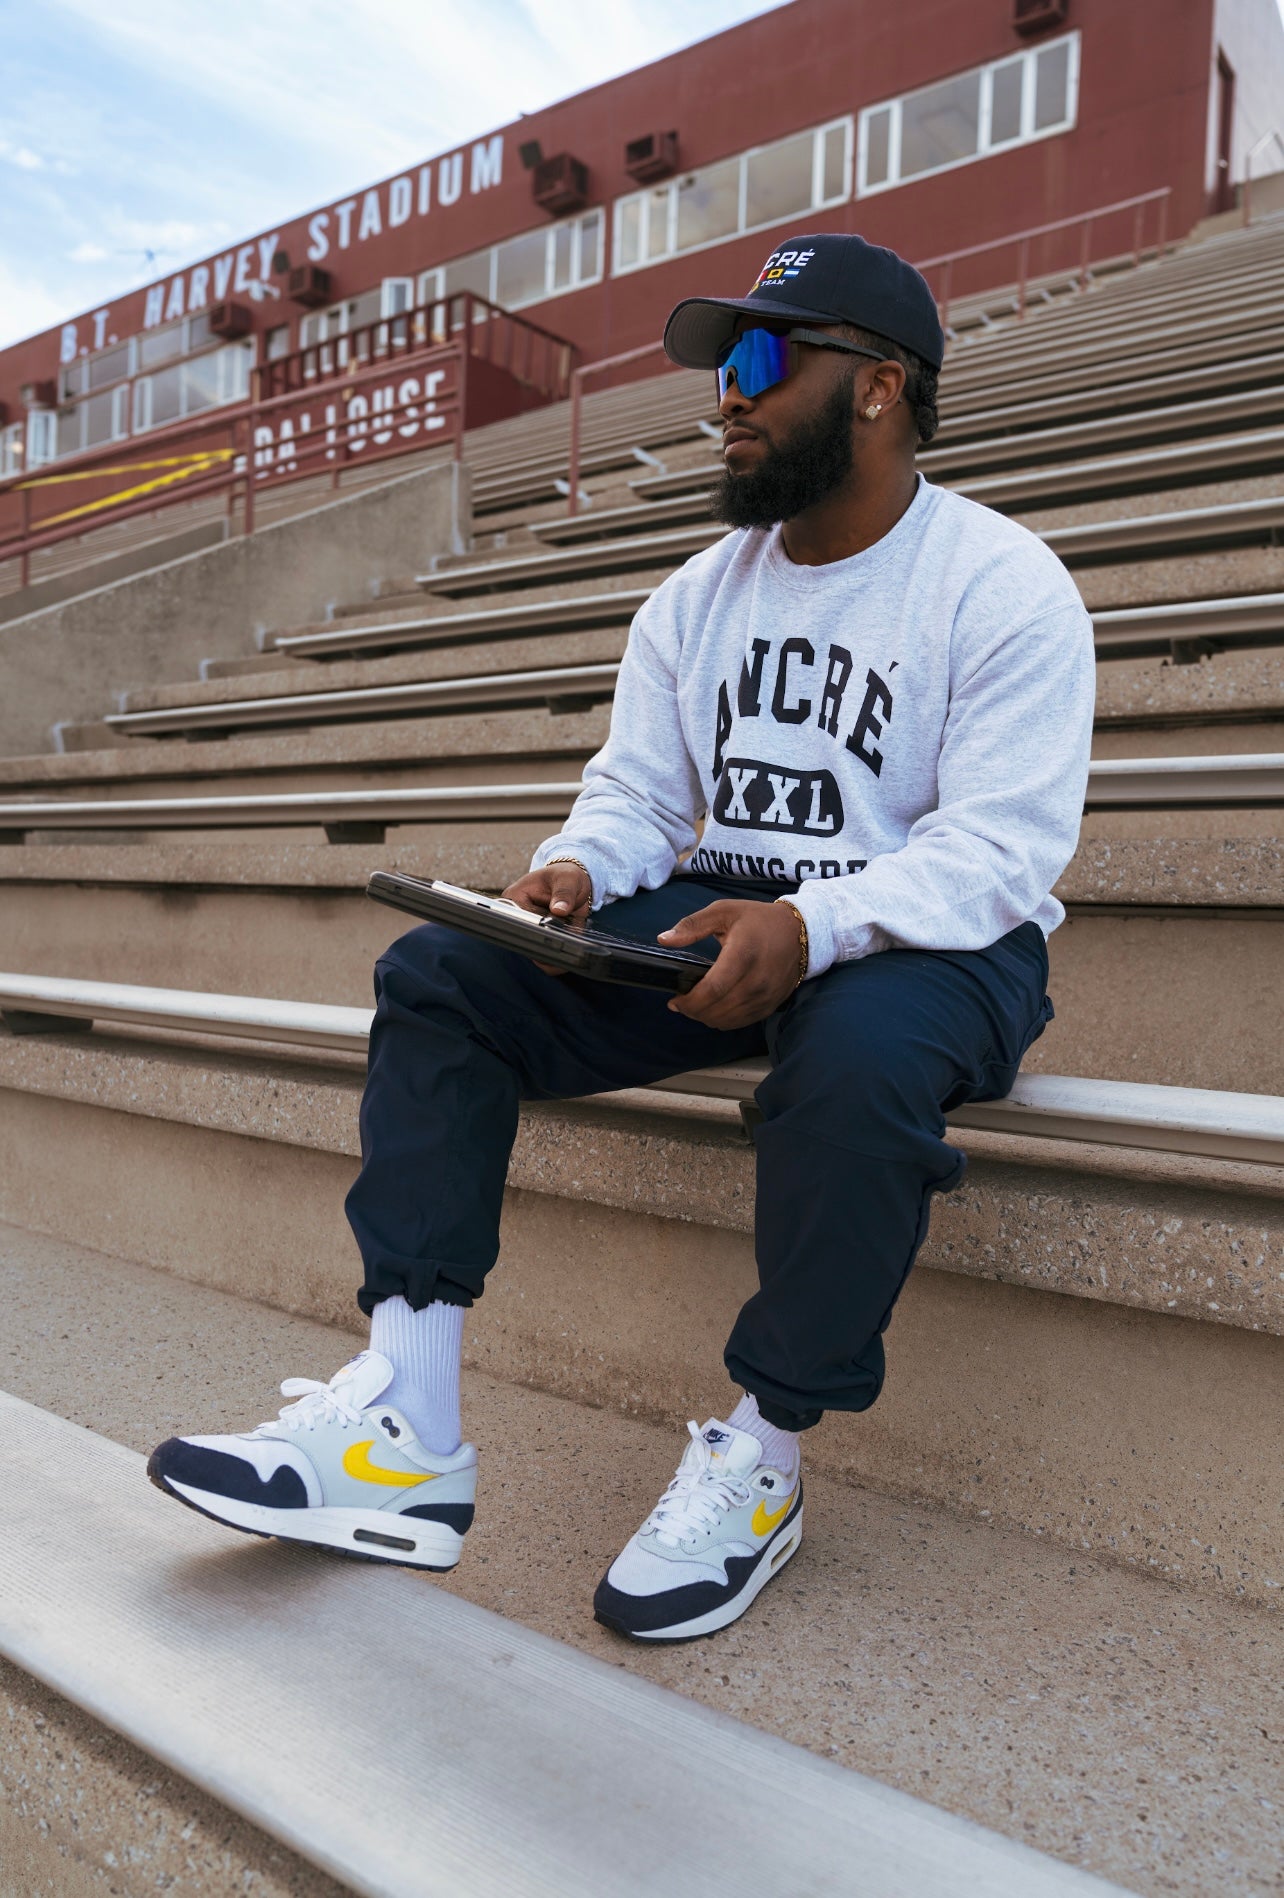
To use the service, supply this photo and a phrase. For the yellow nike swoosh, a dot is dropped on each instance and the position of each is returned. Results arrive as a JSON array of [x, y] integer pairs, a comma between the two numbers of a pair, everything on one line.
[[356, 1462], [763, 1522]]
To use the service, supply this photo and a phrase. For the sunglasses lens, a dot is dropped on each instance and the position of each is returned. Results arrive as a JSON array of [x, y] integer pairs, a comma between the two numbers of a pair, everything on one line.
[[758, 358]]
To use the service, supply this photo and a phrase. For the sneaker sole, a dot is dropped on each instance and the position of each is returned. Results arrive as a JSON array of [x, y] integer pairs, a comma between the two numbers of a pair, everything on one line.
[[774, 1559], [369, 1534]]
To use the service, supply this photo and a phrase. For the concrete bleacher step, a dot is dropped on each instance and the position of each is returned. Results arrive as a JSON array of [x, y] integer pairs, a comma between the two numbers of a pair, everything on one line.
[[1041, 1692], [1165, 970], [1252, 781], [1070, 1292], [1110, 540], [479, 676], [234, 1674]]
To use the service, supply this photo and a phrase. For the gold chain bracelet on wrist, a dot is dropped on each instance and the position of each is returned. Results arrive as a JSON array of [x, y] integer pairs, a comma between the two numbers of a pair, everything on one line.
[[804, 949]]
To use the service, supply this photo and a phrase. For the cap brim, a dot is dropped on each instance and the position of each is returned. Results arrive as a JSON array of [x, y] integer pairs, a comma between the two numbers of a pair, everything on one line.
[[700, 327]]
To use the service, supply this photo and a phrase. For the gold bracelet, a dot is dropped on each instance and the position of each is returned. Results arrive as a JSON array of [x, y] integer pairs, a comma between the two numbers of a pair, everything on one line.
[[804, 949]]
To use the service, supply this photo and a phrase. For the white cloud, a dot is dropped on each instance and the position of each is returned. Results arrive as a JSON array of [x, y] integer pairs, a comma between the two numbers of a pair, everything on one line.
[[25, 307], [25, 159], [163, 134]]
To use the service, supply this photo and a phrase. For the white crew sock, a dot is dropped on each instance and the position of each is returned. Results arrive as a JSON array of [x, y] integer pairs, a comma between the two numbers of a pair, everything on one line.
[[780, 1448], [423, 1348]]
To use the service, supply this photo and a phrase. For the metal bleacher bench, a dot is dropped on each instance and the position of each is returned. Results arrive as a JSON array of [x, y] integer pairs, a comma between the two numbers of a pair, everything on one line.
[[1234, 781], [1201, 1121]]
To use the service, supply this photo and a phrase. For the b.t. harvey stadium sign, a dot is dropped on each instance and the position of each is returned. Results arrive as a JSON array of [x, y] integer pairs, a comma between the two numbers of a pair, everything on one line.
[[339, 227]]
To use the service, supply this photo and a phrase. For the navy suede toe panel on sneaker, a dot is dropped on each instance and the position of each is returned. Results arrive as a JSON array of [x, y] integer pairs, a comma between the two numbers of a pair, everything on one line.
[[644, 1614], [179, 1462]]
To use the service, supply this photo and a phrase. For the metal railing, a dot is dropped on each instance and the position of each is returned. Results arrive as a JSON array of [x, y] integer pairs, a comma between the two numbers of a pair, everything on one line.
[[1192, 1120], [399, 386], [1087, 223], [578, 379], [530, 354]]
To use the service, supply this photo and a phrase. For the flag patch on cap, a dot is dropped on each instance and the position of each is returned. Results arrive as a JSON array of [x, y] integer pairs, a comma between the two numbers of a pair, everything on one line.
[[782, 264]]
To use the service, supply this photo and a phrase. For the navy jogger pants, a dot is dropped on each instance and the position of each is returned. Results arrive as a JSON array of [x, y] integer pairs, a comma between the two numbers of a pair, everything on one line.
[[866, 1060]]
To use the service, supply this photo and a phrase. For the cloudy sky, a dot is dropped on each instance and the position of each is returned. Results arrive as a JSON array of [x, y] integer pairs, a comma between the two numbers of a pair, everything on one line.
[[138, 135]]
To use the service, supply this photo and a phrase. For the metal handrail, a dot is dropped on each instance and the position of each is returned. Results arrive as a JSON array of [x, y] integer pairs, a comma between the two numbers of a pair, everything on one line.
[[579, 377], [1023, 239], [1204, 1121], [233, 467], [947, 259]]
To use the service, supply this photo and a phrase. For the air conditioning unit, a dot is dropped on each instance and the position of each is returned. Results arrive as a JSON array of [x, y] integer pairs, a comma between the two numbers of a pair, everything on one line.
[[1036, 16], [310, 286], [560, 184], [38, 395], [230, 320], [654, 156]]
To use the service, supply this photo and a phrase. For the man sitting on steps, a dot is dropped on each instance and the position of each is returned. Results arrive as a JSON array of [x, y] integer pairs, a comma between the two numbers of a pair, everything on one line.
[[879, 696]]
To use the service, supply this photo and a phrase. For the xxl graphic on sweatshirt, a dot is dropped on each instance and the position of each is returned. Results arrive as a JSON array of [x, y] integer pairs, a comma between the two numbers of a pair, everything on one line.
[[758, 794]]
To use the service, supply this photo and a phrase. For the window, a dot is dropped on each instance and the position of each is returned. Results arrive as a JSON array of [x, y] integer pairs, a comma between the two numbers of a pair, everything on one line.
[[766, 186], [92, 423], [522, 270], [185, 388], [11, 449], [278, 342], [975, 113], [41, 437]]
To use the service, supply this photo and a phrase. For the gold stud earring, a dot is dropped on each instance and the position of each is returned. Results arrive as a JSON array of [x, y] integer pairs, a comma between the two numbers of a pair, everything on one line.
[[875, 408]]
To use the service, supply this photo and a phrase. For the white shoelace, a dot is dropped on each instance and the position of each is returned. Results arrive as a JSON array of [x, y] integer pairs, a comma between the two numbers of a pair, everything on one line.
[[317, 1403], [696, 1499]]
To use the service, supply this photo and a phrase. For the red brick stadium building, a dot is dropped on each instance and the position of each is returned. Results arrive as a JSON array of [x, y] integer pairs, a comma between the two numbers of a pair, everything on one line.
[[932, 127]]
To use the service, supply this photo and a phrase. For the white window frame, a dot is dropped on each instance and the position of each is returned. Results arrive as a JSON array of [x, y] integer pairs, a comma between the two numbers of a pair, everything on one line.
[[42, 437], [12, 447], [985, 148], [225, 357], [430, 285], [646, 198]]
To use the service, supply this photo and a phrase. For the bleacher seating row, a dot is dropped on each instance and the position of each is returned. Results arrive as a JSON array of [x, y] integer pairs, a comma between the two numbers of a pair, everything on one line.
[[1088, 1349]]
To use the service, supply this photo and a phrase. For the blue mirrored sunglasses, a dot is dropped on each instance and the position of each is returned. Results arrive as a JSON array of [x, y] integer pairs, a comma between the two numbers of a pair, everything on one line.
[[759, 358]]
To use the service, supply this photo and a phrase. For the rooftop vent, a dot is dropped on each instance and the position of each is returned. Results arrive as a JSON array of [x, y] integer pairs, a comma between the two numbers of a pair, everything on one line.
[[1036, 16], [654, 156], [560, 184], [310, 286]]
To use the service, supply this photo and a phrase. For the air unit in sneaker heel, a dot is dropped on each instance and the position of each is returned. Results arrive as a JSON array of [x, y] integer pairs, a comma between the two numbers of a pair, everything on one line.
[[336, 1469]]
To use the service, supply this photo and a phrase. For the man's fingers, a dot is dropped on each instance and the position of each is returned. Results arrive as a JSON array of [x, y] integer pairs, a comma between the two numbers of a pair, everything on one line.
[[568, 889], [693, 928]]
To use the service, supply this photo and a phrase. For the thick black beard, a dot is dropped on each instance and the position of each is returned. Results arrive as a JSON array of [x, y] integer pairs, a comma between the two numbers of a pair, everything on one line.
[[816, 459]]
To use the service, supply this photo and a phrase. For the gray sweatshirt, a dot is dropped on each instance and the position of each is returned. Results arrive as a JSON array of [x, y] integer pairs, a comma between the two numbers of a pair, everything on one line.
[[901, 738]]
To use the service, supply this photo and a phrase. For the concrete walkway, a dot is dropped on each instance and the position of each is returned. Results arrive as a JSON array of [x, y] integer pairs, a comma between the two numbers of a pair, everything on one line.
[[1127, 1726]]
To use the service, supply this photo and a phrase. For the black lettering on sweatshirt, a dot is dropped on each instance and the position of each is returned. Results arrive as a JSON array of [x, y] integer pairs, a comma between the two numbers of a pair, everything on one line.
[[868, 724], [752, 795]]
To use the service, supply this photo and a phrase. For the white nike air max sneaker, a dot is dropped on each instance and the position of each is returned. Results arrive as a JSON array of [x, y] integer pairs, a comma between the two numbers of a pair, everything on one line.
[[725, 1525], [337, 1469]]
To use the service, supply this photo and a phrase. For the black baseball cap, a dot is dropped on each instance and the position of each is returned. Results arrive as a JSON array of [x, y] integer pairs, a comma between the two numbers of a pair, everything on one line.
[[834, 277]]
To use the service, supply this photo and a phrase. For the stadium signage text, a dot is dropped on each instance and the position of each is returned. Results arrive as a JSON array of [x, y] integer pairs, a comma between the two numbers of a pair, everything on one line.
[[350, 222]]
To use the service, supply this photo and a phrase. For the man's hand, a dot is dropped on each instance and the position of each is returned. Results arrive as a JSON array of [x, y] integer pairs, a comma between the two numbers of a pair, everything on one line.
[[757, 966], [563, 890]]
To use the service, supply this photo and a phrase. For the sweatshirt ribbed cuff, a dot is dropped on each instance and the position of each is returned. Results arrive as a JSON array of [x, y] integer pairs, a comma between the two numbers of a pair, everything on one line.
[[588, 858]]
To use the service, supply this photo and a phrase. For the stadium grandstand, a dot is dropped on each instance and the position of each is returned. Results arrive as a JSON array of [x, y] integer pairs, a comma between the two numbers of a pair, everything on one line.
[[319, 557]]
